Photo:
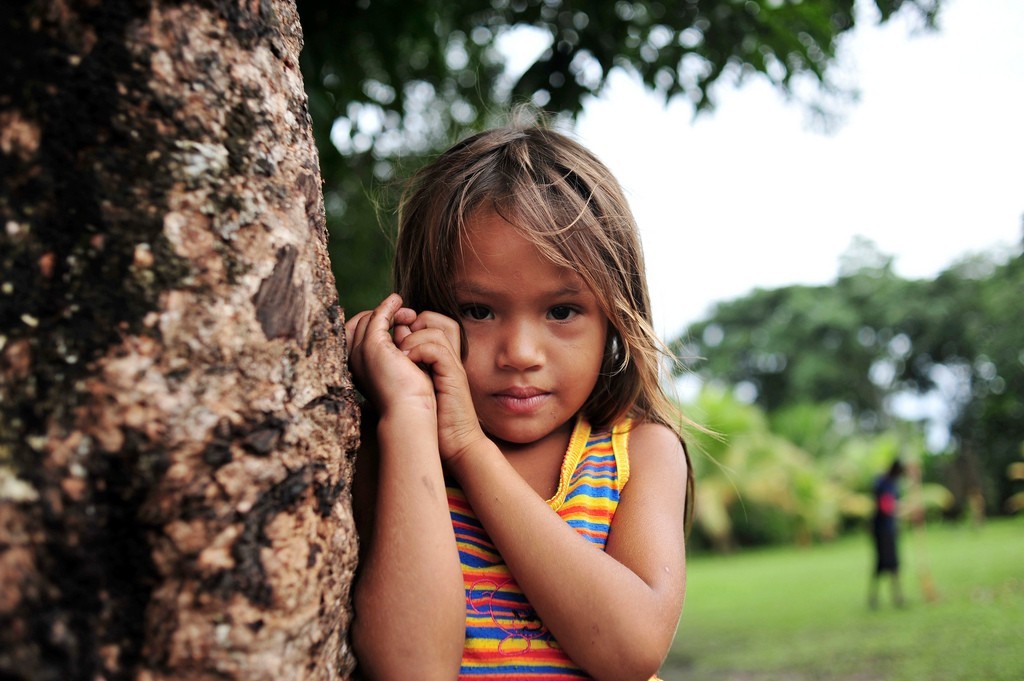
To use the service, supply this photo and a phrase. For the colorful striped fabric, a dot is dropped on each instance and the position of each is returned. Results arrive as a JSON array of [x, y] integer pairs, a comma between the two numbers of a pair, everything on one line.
[[504, 637]]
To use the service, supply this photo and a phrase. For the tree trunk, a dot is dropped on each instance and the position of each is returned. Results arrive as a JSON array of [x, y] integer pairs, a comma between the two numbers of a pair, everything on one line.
[[176, 421]]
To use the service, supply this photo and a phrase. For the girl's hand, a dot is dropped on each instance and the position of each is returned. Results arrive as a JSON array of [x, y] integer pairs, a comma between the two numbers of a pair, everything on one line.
[[435, 341], [381, 370]]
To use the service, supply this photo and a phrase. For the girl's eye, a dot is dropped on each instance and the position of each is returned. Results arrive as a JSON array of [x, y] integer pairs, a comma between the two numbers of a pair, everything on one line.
[[476, 312], [561, 312]]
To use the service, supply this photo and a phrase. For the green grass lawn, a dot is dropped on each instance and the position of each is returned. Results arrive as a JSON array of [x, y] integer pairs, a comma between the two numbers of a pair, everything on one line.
[[801, 613]]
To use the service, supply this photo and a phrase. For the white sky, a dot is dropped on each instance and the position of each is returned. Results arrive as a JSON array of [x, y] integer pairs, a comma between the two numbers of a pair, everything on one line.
[[929, 164]]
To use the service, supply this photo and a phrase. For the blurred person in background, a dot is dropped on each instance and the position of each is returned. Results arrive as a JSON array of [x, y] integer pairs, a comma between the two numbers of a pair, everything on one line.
[[884, 534]]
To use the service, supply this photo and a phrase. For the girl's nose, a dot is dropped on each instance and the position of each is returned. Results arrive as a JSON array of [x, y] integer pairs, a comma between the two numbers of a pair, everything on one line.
[[519, 348]]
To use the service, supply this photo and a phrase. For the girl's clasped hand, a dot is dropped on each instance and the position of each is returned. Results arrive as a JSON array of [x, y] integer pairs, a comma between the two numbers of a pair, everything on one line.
[[402, 358]]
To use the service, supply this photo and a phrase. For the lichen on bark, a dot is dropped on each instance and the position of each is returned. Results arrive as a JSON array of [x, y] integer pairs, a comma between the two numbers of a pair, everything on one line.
[[175, 445]]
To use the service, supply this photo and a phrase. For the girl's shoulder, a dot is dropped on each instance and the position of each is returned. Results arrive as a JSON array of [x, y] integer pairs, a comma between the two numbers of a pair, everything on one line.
[[648, 433], [654, 449]]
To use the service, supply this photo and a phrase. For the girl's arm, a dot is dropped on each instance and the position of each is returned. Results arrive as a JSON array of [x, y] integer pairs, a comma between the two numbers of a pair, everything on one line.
[[614, 613], [408, 596]]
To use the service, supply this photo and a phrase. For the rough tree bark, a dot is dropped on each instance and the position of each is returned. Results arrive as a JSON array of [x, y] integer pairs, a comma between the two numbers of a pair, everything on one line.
[[176, 421]]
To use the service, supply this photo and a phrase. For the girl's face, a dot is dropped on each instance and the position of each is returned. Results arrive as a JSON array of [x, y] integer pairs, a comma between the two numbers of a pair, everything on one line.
[[535, 333]]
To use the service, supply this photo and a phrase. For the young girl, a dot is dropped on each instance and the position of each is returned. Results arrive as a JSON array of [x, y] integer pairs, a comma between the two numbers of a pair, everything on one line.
[[522, 490]]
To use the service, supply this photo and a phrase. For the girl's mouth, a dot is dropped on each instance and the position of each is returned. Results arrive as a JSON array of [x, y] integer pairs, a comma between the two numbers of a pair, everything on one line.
[[521, 400]]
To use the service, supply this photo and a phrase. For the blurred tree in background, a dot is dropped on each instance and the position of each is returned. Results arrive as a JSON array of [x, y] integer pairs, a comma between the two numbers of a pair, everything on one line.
[[829, 362], [391, 82]]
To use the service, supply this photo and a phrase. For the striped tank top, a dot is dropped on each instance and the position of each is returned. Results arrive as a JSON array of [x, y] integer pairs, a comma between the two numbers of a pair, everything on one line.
[[504, 637]]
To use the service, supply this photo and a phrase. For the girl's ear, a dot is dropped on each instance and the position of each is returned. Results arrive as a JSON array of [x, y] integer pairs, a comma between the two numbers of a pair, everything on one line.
[[614, 353]]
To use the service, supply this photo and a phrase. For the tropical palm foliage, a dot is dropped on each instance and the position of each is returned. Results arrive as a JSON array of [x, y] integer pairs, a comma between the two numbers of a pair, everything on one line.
[[756, 485]]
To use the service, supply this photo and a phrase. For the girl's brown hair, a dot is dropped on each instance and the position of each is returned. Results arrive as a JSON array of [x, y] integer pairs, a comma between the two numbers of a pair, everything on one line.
[[568, 203]]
